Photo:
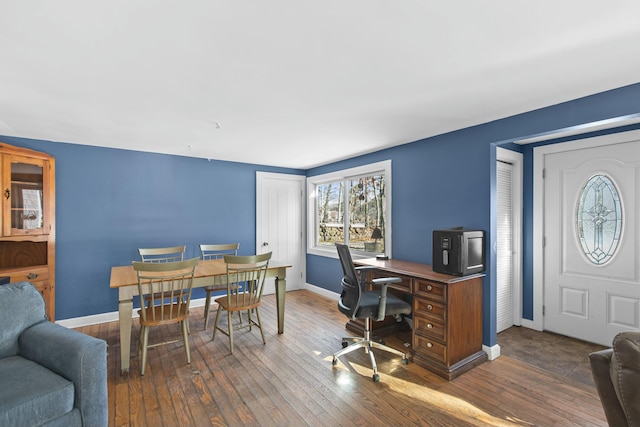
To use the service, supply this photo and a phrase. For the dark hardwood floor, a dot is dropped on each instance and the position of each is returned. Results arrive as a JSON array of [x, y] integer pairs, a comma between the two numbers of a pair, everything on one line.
[[290, 381], [566, 357]]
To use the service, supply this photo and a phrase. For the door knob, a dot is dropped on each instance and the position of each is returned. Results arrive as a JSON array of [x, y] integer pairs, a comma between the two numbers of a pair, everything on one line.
[[265, 244]]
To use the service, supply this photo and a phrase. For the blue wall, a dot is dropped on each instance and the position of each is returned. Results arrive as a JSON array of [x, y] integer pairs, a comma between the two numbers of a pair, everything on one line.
[[449, 180], [110, 202]]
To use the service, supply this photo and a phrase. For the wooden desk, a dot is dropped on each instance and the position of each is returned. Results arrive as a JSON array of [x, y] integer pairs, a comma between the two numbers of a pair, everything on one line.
[[447, 315], [208, 272]]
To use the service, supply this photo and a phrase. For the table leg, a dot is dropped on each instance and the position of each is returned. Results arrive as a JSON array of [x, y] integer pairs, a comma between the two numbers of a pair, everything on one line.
[[125, 309], [281, 288]]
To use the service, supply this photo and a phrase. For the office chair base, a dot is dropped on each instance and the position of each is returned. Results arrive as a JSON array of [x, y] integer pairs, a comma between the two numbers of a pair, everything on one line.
[[368, 346]]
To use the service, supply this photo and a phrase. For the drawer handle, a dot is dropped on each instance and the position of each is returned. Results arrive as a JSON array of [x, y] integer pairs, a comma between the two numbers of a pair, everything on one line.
[[429, 307], [429, 325], [429, 345], [32, 276], [429, 287]]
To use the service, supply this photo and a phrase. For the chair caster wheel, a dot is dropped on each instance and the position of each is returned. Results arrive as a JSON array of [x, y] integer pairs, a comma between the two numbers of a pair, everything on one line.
[[376, 378], [344, 344], [405, 361], [334, 362]]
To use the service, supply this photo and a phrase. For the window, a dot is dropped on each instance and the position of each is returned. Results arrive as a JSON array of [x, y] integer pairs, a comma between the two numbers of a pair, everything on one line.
[[353, 207], [599, 219]]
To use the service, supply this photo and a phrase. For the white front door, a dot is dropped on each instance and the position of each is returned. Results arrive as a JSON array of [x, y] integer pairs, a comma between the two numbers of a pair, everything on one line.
[[591, 250], [279, 223]]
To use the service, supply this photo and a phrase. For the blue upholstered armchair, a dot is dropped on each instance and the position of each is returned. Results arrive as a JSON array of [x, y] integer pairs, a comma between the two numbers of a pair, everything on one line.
[[49, 375]]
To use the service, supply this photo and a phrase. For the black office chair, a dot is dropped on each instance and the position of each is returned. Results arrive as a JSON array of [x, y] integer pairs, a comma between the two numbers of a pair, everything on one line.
[[357, 303]]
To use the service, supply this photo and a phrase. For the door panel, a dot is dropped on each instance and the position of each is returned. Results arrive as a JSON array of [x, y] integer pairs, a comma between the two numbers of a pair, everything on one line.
[[583, 297], [279, 222]]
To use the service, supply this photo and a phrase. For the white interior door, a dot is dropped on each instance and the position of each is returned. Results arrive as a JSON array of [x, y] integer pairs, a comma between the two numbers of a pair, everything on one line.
[[508, 239], [279, 223], [591, 251], [504, 250]]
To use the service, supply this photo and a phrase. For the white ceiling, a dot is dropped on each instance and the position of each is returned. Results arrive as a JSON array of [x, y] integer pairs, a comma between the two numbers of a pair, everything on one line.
[[298, 83]]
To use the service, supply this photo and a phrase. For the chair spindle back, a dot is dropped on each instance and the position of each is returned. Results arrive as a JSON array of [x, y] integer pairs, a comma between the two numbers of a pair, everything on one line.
[[218, 251], [245, 279], [160, 255], [168, 285]]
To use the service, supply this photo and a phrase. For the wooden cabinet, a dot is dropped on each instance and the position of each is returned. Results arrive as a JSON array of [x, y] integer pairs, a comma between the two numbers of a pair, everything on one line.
[[447, 325], [27, 220], [447, 315]]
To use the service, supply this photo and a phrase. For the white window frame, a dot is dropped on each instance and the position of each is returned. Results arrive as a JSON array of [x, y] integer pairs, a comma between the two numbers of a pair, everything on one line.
[[312, 211]]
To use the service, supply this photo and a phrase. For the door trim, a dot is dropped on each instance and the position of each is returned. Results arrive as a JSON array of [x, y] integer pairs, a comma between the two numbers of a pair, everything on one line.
[[539, 154], [516, 161]]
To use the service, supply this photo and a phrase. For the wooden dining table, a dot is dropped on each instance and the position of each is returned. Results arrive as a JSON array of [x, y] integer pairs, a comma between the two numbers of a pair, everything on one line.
[[208, 272]]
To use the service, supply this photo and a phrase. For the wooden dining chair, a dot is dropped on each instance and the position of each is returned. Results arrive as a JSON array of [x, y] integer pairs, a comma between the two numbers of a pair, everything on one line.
[[170, 254], [216, 252], [161, 255], [245, 283], [169, 285]]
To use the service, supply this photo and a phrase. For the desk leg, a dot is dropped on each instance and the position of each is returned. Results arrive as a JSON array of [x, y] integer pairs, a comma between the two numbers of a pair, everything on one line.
[[125, 309], [281, 288]]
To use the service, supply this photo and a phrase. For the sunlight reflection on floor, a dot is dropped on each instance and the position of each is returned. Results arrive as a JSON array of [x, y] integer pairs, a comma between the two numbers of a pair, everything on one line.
[[438, 401]]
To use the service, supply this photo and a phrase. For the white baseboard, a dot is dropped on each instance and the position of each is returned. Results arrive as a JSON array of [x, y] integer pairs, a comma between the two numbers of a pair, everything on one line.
[[78, 322], [324, 292], [493, 352]]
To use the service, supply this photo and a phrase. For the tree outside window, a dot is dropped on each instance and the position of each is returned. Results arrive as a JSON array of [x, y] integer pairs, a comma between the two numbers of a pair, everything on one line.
[[352, 210]]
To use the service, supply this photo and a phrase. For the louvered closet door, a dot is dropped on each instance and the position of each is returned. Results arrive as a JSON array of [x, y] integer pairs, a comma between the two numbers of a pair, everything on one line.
[[504, 247]]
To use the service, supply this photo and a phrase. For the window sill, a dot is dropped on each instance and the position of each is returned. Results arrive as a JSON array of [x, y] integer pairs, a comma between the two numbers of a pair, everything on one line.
[[330, 252]]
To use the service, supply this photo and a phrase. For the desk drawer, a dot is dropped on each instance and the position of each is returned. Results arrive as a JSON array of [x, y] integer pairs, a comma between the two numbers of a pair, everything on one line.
[[432, 290], [429, 309], [430, 348], [429, 328]]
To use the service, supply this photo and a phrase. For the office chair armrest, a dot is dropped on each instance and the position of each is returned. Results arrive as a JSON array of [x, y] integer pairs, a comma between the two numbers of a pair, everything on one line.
[[384, 282]]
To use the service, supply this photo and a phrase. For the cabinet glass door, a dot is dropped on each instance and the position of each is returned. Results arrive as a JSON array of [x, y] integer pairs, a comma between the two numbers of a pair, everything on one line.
[[25, 196]]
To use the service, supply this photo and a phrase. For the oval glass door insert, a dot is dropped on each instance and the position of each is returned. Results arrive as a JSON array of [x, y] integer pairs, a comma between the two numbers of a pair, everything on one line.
[[599, 219]]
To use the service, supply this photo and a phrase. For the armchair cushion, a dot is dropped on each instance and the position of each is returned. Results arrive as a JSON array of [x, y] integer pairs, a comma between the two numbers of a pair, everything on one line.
[[32, 394], [78, 357], [625, 374], [14, 318], [49, 375]]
